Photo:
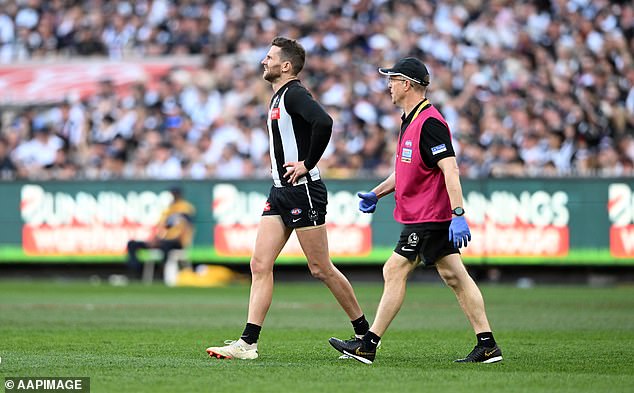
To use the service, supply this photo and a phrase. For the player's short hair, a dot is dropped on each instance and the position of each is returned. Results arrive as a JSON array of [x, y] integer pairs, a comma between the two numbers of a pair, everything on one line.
[[292, 51]]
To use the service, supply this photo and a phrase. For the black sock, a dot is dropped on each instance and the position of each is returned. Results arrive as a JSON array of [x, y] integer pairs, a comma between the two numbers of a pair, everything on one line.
[[251, 333], [486, 339], [360, 325], [371, 340]]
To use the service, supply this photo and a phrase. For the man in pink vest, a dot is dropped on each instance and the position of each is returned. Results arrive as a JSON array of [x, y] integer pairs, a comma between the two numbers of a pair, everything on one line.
[[429, 204]]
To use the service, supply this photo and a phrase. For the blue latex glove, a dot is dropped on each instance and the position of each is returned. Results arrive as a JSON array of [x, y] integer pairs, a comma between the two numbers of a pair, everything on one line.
[[368, 201], [459, 232]]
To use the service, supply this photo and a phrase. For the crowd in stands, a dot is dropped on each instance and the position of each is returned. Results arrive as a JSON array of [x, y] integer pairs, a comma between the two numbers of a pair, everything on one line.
[[539, 88]]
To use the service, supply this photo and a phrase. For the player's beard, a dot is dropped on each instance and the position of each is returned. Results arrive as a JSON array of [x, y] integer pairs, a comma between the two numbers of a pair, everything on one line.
[[272, 74]]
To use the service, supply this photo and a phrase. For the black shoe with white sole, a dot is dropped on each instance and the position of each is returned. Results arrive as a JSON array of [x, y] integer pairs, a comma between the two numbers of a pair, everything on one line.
[[354, 348], [482, 354]]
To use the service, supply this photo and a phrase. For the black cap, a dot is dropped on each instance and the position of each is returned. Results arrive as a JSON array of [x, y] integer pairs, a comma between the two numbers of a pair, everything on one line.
[[410, 68]]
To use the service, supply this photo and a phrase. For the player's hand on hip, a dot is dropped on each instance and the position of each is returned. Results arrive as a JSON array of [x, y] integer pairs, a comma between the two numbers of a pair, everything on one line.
[[294, 170], [459, 232], [368, 201]]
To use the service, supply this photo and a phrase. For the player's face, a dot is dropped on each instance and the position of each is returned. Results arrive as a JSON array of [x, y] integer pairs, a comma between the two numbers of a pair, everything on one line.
[[272, 65]]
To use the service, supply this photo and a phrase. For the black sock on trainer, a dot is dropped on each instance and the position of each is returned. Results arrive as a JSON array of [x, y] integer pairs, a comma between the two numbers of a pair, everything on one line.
[[360, 325], [486, 339], [251, 333], [371, 340]]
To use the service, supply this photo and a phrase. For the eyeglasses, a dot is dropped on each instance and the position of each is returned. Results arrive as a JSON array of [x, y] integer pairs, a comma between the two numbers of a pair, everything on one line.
[[392, 80]]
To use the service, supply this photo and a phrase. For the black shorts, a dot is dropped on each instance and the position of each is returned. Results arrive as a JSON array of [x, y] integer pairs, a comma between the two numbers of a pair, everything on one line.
[[429, 240], [299, 206]]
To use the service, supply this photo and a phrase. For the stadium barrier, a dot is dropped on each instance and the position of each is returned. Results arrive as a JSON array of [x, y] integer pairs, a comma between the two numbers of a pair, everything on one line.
[[513, 221]]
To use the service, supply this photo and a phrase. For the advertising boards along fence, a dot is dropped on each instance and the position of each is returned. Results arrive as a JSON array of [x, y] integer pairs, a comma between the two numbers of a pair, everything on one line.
[[513, 221]]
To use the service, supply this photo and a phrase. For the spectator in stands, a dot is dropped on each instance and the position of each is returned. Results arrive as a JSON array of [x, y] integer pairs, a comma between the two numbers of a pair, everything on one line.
[[173, 231], [38, 152], [8, 170], [164, 164], [508, 73]]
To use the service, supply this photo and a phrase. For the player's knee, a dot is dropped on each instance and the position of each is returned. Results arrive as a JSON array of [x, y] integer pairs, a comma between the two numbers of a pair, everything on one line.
[[451, 278], [317, 272], [259, 265]]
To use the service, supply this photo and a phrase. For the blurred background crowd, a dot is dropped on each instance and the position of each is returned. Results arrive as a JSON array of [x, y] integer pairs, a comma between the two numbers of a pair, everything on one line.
[[539, 88]]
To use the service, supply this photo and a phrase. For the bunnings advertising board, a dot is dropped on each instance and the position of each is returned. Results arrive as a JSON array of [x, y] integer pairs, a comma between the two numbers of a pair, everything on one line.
[[83, 223], [513, 221], [236, 212]]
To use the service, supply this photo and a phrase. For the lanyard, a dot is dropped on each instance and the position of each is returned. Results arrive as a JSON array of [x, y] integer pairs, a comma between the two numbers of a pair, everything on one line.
[[420, 108]]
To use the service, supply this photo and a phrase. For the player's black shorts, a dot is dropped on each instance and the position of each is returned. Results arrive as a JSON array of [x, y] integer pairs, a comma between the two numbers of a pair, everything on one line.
[[299, 206], [429, 240]]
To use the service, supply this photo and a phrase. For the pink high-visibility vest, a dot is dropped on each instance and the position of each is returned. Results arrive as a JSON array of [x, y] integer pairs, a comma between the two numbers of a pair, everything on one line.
[[420, 194]]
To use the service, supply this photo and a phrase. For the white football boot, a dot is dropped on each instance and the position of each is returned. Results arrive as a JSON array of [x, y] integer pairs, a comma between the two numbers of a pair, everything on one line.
[[237, 349]]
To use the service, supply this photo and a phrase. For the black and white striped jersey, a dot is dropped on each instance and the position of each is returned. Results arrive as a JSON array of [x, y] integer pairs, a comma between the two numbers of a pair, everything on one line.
[[299, 130]]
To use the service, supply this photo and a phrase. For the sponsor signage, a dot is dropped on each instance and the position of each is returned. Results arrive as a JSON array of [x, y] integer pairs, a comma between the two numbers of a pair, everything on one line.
[[621, 213], [237, 213], [60, 223], [528, 224], [513, 221], [52, 82]]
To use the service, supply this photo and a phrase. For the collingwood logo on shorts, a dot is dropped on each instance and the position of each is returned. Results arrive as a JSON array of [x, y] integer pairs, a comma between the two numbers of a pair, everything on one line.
[[312, 215], [412, 239]]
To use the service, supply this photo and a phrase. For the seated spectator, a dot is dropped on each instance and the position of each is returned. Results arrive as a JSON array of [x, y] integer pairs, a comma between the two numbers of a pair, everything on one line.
[[37, 153], [164, 164], [174, 231]]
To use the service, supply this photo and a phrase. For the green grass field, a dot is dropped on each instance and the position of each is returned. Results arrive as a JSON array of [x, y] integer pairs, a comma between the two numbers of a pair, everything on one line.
[[153, 339]]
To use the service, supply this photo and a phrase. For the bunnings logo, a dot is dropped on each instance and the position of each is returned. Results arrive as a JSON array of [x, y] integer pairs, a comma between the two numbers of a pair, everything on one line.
[[83, 223], [528, 224], [621, 213], [237, 212]]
